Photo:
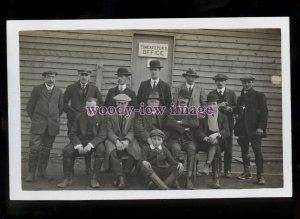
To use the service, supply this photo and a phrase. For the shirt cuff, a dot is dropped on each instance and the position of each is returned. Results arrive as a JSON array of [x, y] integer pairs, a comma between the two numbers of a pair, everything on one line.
[[77, 146], [91, 145]]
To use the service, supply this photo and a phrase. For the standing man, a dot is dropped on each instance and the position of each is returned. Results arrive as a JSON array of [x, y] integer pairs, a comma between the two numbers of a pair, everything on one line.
[[121, 142], [182, 127], [123, 78], [144, 124], [87, 135], [75, 98], [44, 109], [197, 93], [227, 103], [155, 84], [250, 127]]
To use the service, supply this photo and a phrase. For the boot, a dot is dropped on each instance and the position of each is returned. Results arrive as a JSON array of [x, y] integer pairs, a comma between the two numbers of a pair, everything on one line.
[[190, 170], [32, 169], [66, 182], [216, 171], [170, 179], [158, 182], [30, 177], [68, 167], [176, 184], [216, 183], [121, 184], [43, 163], [88, 169], [94, 179]]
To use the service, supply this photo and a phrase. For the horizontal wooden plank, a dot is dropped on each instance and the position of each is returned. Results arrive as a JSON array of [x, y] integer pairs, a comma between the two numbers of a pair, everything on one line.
[[77, 35], [77, 48]]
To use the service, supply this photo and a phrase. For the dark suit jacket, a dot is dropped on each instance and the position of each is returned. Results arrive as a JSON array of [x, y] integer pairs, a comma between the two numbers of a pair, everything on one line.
[[77, 104], [80, 127], [109, 101], [143, 126], [43, 111], [254, 116], [203, 130], [177, 130], [163, 90], [229, 97]]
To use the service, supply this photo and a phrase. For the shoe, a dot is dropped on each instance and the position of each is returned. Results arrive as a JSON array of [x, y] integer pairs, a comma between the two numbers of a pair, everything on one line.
[[261, 181], [94, 182], [65, 183], [176, 185], [216, 184], [151, 185], [205, 169], [30, 177], [244, 176], [227, 174], [44, 176], [189, 183], [121, 184]]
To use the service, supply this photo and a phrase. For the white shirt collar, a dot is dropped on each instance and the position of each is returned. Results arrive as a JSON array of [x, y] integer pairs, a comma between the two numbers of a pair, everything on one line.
[[189, 86], [49, 87], [223, 90], [122, 86], [152, 147], [152, 81], [83, 85]]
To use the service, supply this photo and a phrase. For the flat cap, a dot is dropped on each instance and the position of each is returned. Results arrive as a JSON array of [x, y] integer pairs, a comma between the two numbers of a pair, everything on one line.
[[157, 132], [220, 77], [84, 70], [154, 95], [122, 97], [183, 93], [212, 98], [247, 78], [49, 73]]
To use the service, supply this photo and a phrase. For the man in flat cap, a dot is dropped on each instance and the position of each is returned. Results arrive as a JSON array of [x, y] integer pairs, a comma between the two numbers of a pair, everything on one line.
[[227, 104], [210, 135], [197, 93], [182, 126], [251, 125], [155, 84], [121, 142], [123, 78], [87, 135], [144, 124], [75, 98], [44, 109]]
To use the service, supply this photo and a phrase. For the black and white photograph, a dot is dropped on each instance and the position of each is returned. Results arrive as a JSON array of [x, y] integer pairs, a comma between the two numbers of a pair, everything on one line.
[[149, 109]]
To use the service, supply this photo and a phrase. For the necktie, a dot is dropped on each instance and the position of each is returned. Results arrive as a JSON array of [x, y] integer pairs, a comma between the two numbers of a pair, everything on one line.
[[121, 122], [121, 89], [220, 93], [154, 84], [83, 90]]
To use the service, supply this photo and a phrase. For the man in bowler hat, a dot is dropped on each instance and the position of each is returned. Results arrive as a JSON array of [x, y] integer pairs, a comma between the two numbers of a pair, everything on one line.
[[155, 84], [123, 78], [75, 98], [44, 109], [251, 125], [227, 104], [196, 93]]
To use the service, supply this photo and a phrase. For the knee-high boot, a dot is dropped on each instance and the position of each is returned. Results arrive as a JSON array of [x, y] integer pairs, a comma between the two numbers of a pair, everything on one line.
[[68, 166], [190, 170], [94, 179], [216, 171], [43, 163], [158, 182]]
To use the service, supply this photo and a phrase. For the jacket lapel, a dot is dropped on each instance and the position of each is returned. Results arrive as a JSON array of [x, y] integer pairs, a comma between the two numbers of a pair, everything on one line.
[[45, 91], [83, 123], [54, 92]]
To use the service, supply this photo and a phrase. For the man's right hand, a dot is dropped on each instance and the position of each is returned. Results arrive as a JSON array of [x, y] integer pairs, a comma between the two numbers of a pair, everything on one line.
[[81, 150], [146, 164]]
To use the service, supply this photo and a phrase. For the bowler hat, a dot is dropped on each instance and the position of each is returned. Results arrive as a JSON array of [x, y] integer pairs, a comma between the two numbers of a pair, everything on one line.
[[212, 98], [220, 77], [157, 132], [155, 64], [122, 97], [190, 72], [84, 71], [247, 78], [123, 71], [154, 95], [49, 73], [183, 93]]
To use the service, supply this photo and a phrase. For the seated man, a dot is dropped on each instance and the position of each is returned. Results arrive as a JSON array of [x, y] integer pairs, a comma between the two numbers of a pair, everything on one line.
[[157, 162], [144, 124], [121, 142], [181, 127], [87, 135], [212, 132]]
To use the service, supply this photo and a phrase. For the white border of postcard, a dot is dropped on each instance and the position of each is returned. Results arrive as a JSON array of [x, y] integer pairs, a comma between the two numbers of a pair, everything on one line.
[[13, 28]]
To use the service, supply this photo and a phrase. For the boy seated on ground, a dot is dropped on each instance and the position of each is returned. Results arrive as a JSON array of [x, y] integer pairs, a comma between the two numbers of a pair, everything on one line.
[[157, 163]]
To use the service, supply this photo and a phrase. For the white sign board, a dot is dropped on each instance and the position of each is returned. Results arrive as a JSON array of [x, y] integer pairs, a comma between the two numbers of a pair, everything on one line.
[[153, 50]]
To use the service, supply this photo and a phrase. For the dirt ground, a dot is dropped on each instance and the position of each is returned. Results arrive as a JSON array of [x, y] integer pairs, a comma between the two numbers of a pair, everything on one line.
[[273, 176]]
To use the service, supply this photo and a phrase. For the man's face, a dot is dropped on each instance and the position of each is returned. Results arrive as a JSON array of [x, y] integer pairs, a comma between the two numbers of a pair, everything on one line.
[[49, 79], [213, 105], [90, 104], [84, 78], [153, 102], [122, 104], [183, 101], [156, 141], [247, 85], [190, 79], [154, 73], [122, 79], [220, 83]]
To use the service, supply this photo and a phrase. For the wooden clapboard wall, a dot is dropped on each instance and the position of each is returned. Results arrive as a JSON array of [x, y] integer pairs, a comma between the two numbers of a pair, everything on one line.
[[233, 52]]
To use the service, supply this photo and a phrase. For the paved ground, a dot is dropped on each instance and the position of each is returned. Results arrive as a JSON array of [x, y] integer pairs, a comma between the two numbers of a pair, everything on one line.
[[273, 176]]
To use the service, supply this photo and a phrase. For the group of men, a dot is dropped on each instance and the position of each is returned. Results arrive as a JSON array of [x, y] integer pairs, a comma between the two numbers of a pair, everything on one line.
[[113, 137]]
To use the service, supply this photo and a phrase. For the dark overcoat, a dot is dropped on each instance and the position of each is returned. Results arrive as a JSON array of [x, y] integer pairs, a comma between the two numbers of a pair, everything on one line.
[[109, 101]]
